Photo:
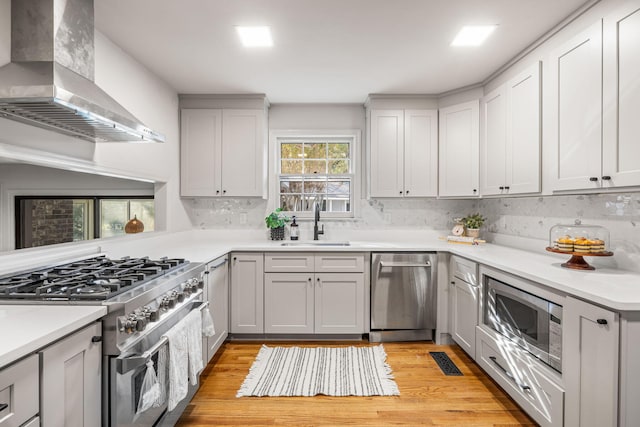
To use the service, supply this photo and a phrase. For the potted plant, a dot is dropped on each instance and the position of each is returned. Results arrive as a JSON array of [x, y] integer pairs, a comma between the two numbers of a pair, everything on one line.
[[472, 223], [275, 222]]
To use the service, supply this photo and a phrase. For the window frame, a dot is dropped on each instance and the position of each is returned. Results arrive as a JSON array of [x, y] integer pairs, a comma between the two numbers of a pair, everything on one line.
[[94, 219], [350, 136]]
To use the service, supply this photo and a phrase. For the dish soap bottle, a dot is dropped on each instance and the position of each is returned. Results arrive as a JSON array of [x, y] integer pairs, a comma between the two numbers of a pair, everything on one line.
[[294, 229]]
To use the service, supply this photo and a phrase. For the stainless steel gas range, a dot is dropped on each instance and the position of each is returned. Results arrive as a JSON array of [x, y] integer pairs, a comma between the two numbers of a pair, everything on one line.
[[144, 299]]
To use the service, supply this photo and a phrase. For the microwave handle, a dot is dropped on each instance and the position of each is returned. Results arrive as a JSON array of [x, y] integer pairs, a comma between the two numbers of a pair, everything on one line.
[[509, 374]]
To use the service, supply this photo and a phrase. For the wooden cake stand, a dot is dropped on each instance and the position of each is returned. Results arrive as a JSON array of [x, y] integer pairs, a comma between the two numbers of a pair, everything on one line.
[[577, 261]]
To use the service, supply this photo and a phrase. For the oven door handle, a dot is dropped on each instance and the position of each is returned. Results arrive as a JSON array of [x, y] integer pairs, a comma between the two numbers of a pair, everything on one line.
[[126, 364], [405, 264]]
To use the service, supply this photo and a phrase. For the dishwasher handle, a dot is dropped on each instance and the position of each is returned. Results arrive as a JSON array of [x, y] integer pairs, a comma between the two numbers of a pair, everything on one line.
[[405, 264]]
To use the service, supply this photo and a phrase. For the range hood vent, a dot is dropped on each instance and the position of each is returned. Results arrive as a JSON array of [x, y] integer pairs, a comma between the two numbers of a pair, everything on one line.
[[50, 80]]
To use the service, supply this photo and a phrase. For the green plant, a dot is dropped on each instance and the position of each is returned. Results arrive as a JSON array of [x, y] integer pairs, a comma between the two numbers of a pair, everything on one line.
[[474, 220], [276, 219]]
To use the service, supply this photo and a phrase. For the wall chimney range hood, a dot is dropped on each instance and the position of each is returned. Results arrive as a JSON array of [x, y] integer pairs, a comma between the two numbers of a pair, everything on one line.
[[49, 82]]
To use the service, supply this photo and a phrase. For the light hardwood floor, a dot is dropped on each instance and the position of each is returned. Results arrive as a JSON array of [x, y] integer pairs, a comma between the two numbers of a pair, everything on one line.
[[427, 396]]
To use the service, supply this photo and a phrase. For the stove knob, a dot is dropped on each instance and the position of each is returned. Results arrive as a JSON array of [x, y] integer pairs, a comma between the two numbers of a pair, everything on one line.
[[172, 302], [180, 296], [141, 324], [201, 284], [154, 315]]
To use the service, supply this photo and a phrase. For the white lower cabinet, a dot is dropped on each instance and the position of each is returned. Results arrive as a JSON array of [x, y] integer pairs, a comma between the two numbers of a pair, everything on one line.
[[247, 293], [218, 296], [71, 380], [531, 384], [590, 364], [307, 293], [19, 392], [465, 315]]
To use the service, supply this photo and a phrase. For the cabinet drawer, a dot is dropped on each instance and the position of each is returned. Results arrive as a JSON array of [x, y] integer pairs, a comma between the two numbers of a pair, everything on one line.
[[465, 270], [339, 263], [287, 262], [521, 377], [20, 391]]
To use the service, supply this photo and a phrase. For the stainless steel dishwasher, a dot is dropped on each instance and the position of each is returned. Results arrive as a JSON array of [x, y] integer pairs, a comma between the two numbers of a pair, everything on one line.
[[403, 296]]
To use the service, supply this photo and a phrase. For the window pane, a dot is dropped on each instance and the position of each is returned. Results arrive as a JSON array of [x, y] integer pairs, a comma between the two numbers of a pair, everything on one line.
[[82, 220], [113, 217], [339, 151], [291, 166], [144, 210], [315, 166], [339, 187], [291, 202], [290, 186], [315, 151], [315, 187], [290, 151], [338, 203], [337, 167]]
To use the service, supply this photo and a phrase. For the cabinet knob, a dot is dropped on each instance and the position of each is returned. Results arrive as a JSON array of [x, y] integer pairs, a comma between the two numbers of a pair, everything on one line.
[[593, 179], [235, 258], [309, 278], [96, 338], [401, 192], [475, 191], [406, 192], [606, 178], [217, 191], [601, 321], [224, 191]]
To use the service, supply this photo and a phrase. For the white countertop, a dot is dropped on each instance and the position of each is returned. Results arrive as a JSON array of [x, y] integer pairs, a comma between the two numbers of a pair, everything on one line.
[[613, 288], [28, 328]]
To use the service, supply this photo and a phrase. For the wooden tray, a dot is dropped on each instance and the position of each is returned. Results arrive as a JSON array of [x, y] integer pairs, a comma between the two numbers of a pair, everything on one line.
[[577, 261]]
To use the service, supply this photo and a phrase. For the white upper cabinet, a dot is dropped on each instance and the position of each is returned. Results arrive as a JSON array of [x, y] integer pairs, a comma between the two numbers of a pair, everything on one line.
[[459, 150], [621, 126], [200, 152], [510, 143], [223, 152], [576, 111], [403, 161]]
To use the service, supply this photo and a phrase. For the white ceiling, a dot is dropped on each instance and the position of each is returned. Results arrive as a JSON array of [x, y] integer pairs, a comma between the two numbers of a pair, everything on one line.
[[325, 50]]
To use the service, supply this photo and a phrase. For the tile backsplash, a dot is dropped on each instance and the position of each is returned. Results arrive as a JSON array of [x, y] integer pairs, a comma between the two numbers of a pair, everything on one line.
[[522, 222]]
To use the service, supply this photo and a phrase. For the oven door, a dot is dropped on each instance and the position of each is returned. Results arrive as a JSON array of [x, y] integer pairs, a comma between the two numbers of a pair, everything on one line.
[[518, 315], [127, 372]]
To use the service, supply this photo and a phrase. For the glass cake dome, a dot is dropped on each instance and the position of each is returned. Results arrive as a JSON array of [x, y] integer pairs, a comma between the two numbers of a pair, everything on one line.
[[579, 238]]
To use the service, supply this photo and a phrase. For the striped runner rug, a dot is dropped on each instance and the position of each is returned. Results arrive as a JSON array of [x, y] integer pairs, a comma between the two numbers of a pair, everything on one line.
[[300, 371]]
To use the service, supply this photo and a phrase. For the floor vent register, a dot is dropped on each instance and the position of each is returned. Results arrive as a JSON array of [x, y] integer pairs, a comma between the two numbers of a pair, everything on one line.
[[445, 363]]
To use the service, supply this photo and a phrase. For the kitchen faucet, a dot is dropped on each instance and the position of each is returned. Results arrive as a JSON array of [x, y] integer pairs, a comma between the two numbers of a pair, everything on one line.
[[316, 232]]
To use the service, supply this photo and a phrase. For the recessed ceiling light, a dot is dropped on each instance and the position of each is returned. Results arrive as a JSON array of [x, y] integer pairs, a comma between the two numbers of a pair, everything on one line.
[[255, 36], [473, 35]]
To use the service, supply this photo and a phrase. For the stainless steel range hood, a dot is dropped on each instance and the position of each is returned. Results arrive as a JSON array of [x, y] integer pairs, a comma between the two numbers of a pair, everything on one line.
[[50, 80]]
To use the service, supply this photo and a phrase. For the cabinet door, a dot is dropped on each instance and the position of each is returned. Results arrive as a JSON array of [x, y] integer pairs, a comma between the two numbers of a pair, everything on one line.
[[465, 315], [71, 380], [459, 148], [621, 150], [288, 303], [218, 297], [243, 152], [493, 146], [590, 364], [200, 152], [576, 111], [387, 153], [339, 303], [247, 293], [523, 132], [420, 153]]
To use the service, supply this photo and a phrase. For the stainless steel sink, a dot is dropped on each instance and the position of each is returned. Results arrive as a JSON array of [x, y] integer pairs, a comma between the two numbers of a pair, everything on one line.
[[315, 243]]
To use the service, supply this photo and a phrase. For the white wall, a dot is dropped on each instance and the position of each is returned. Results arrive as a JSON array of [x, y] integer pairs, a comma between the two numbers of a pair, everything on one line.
[[24, 180], [146, 96], [316, 116]]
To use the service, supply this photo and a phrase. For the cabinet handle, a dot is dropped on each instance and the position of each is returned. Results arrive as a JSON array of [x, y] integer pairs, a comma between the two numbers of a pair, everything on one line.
[[606, 178], [506, 187], [501, 188], [601, 321], [509, 374], [96, 338], [593, 179], [3, 406]]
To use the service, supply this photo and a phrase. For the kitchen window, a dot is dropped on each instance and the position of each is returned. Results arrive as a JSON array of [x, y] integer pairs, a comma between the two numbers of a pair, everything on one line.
[[48, 220], [319, 170]]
